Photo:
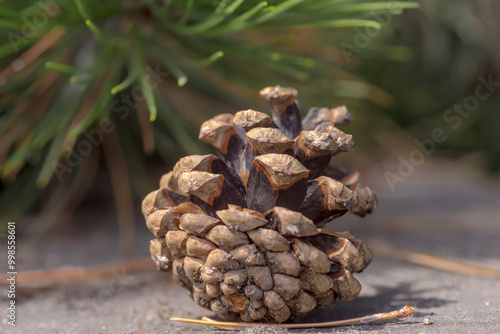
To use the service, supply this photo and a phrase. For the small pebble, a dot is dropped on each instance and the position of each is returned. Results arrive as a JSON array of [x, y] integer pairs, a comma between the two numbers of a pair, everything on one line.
[[487, 303], [427, 321]]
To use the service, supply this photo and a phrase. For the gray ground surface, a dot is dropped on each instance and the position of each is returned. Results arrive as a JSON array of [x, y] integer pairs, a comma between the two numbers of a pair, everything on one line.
[[443, 209]]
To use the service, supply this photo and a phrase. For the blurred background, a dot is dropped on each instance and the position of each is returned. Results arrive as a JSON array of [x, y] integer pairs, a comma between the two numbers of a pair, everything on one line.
[[99, 99]]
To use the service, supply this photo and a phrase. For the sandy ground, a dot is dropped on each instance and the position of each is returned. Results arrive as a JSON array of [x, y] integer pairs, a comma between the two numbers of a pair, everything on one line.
[[446, 210], [455, 304]]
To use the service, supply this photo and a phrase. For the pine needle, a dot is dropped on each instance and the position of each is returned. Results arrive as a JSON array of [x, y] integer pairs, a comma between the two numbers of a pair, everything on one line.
[[73, 275], [61, 67], [156, 30], [97, 33], [33, 53], [403, 312], [120, 184], [207, 61], [436, 262], [148, 141]]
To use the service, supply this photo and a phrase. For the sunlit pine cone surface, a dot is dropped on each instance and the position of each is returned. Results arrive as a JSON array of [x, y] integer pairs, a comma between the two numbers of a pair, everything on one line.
[[242, 231]]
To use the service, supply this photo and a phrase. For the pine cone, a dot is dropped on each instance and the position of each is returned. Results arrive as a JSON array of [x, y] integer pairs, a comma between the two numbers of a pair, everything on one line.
[[242, 232]]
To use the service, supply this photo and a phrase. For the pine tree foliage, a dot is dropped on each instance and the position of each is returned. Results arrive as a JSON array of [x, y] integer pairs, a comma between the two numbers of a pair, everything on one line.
[[86, 68]]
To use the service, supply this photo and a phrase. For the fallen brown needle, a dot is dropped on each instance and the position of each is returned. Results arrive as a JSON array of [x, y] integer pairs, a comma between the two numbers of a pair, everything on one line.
[[436, 262], [404, 312]]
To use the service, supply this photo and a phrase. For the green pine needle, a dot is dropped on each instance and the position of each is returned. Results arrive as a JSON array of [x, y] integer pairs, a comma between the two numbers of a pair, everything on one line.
[[344, 24], [82, 10], [61, 68], [144, 48], [207, 61], [94, 30]]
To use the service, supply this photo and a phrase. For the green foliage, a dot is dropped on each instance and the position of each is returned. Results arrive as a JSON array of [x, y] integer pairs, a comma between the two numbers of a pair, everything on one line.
[[456, 44], [69, 66]]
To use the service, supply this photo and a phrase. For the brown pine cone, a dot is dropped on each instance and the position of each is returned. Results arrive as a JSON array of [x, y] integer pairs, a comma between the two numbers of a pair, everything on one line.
[[241, 232]]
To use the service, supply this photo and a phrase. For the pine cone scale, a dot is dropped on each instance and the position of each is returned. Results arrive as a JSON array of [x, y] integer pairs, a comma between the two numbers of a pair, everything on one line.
[[241, 232]]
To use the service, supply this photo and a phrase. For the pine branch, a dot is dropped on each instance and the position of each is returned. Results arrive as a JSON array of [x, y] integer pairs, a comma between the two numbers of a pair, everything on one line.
[[103, 50]]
